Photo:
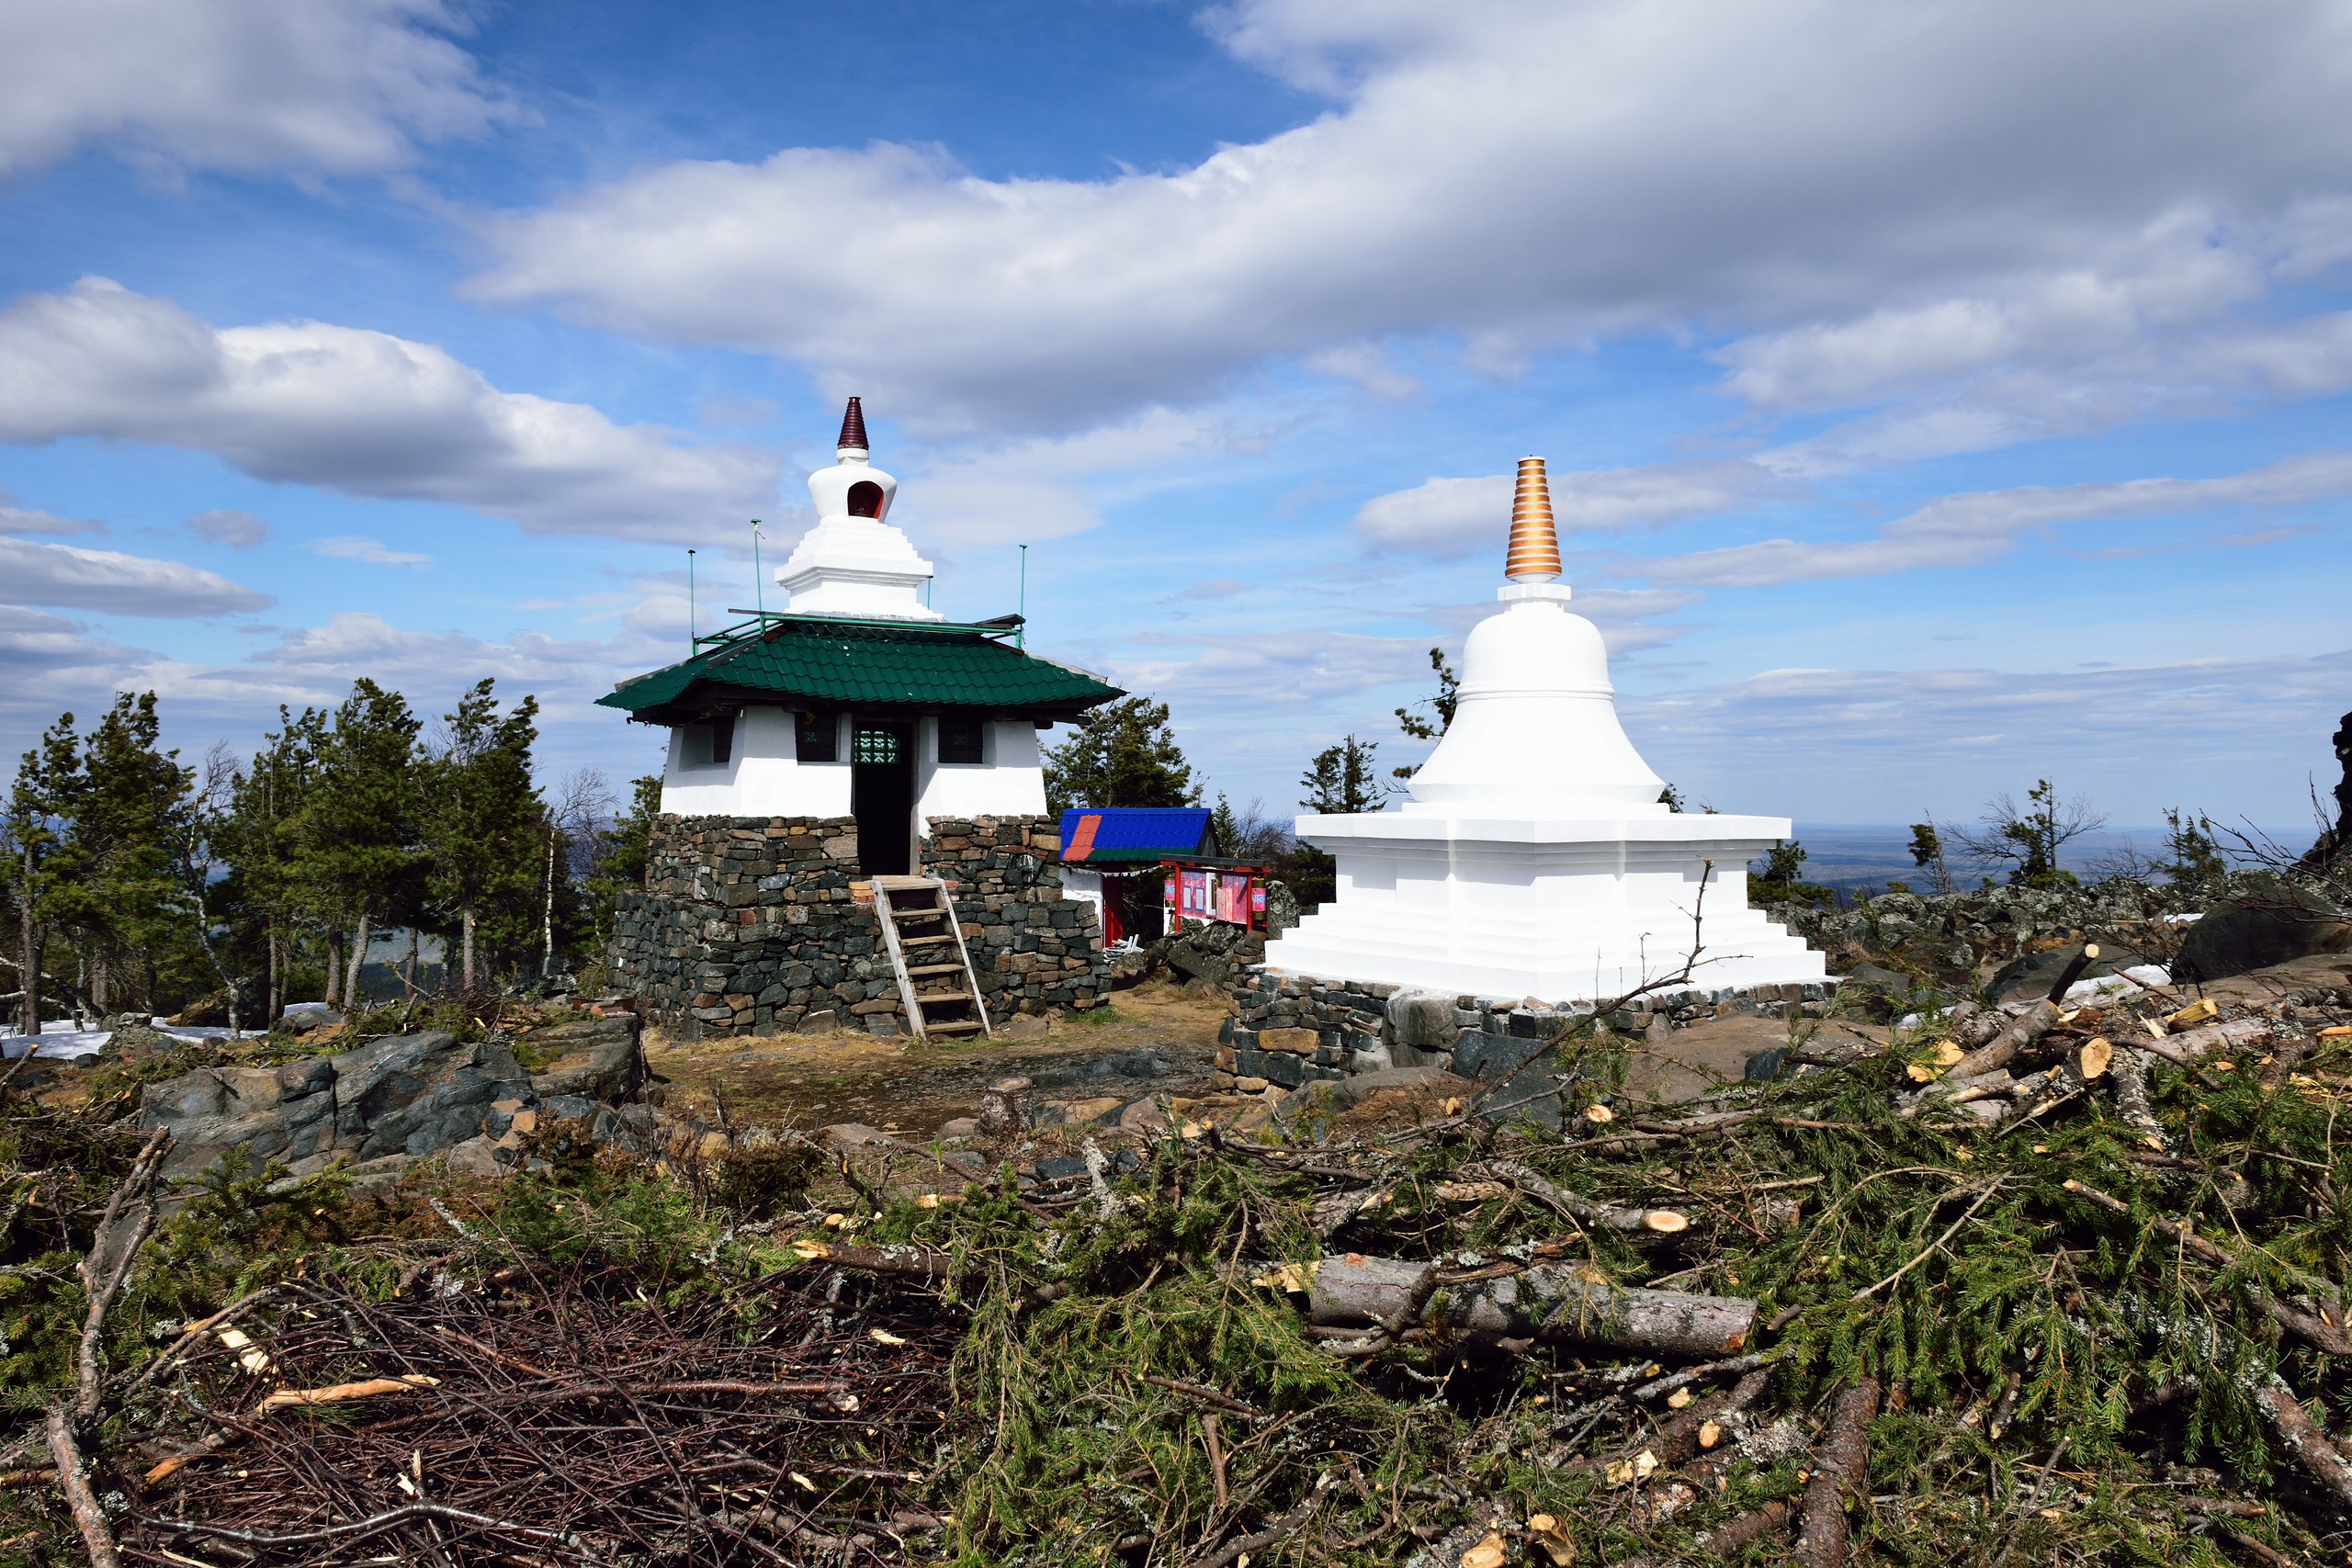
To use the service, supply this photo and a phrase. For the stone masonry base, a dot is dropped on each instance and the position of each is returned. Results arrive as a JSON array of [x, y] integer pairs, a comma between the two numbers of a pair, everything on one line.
[[752, 925], [1289, 1030]]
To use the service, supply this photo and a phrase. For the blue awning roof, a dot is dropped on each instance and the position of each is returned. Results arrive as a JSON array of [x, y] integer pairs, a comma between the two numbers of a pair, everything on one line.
[[1106, 835]]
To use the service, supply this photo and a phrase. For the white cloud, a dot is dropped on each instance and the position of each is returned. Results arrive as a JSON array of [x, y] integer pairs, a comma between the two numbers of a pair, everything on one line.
[[2240, 736], [36, 573], [1368, 370], [359, 547], [1455, 517], [1213, 588], [363, 412], [33, 643], [310, 86], [1966, 530], [1266, 672], [1515, 174], [238, 530], [17, 520], [2169, 325]]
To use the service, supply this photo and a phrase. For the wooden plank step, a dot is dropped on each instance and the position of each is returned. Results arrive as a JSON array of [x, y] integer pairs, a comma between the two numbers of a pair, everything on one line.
[[954, 1026], [906, 915], [920, 941], [937, 969]]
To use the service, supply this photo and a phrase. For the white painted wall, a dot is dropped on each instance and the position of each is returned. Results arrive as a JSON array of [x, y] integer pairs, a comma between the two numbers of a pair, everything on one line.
[[1083, 886], [764, 778], [1009, 780]]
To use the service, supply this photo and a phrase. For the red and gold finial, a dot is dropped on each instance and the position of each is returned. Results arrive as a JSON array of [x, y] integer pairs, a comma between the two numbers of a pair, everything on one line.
[[1534, 554]]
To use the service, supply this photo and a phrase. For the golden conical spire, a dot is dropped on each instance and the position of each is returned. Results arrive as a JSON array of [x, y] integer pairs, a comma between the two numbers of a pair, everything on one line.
[[1534, 555]]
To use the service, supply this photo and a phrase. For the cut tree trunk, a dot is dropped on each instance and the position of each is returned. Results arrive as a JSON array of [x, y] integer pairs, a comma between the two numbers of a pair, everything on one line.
[[1842, 1464], [2189, 1044], [2023, 1031], [1548, 1302], [334, 997], [466, 920]]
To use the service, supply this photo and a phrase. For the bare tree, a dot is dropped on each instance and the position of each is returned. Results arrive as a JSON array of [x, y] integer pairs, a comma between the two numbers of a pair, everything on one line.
[[2027, 840], [196, 849], [582, 803]]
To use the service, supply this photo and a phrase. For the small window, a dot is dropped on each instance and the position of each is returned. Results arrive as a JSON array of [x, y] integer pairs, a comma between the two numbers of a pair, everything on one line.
[[819, 738], [877, 745], [711, 744], [866, 499], [959, 739]]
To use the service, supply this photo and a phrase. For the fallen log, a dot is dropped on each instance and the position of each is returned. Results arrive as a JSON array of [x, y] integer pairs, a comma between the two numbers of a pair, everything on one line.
[[2074, 971], [2301, 1437], [2023, 1031], [2184, 1049], [1844, 1464], [2129, 1073], [1556, 1301], [1658, 1221], [1677, 1440], [1729, 1541]]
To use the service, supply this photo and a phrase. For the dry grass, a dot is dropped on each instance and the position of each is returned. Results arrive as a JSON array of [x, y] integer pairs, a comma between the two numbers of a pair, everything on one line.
[[909, 1085]]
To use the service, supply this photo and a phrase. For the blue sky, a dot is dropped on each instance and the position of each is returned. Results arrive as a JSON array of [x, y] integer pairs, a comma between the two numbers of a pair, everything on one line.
[[1936, 398]]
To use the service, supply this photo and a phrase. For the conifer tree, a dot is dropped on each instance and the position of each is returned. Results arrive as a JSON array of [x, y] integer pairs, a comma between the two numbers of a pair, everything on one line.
[[358, 840], [39, 801], [114, 883], [1121, 754], [264, 832], [482, 815], [1342, 779]]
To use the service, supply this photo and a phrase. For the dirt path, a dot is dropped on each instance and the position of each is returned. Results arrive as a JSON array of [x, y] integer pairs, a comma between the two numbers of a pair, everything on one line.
[[1153, 1038]]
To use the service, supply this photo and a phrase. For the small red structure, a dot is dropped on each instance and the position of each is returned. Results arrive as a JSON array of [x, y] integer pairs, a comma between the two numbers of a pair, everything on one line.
[[1227, 892]]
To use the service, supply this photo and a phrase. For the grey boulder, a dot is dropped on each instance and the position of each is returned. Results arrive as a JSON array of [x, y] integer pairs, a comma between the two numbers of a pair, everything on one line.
[[2267, 921], [595, 1058]]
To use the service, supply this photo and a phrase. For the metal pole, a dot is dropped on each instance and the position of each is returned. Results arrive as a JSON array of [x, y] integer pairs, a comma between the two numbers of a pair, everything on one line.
[[693, 647], [759, 581], [1021, 633]]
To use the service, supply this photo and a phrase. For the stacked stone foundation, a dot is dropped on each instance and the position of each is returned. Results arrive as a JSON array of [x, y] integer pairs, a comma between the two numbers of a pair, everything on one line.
[[756, 926], [1285, 1030]]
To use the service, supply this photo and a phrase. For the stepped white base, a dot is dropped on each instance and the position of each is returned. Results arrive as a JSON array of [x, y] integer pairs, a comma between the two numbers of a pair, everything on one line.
[[1561, 910]]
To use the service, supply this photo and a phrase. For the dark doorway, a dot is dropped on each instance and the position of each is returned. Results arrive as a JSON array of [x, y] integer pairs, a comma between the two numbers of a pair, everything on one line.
[[882, 796]]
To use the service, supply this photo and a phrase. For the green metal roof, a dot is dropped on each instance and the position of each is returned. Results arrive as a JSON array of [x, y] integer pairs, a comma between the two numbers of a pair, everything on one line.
[[864, 663]]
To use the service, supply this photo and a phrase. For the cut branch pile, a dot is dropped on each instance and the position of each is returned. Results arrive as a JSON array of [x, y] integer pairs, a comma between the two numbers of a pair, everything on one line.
[[566, 1420], [2023, 1285]]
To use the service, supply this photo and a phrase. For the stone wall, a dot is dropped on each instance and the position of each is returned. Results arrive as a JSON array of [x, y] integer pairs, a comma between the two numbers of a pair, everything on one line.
[[752, 925], [1288, 1030]]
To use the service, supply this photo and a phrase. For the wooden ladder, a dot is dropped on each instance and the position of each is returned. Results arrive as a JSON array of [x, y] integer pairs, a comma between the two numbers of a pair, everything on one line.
[[926, 946]]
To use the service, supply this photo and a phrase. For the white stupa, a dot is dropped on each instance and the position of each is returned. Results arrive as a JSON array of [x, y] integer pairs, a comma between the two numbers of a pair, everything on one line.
[[854, 563], [1534, 857]]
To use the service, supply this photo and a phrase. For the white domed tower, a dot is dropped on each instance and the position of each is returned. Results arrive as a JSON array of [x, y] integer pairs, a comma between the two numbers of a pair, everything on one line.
[[1534, 857], [852, 562]]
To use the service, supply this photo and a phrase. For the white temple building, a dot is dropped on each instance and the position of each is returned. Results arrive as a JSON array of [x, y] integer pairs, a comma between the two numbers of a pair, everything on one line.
[[1534, 857], [859, 700]]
